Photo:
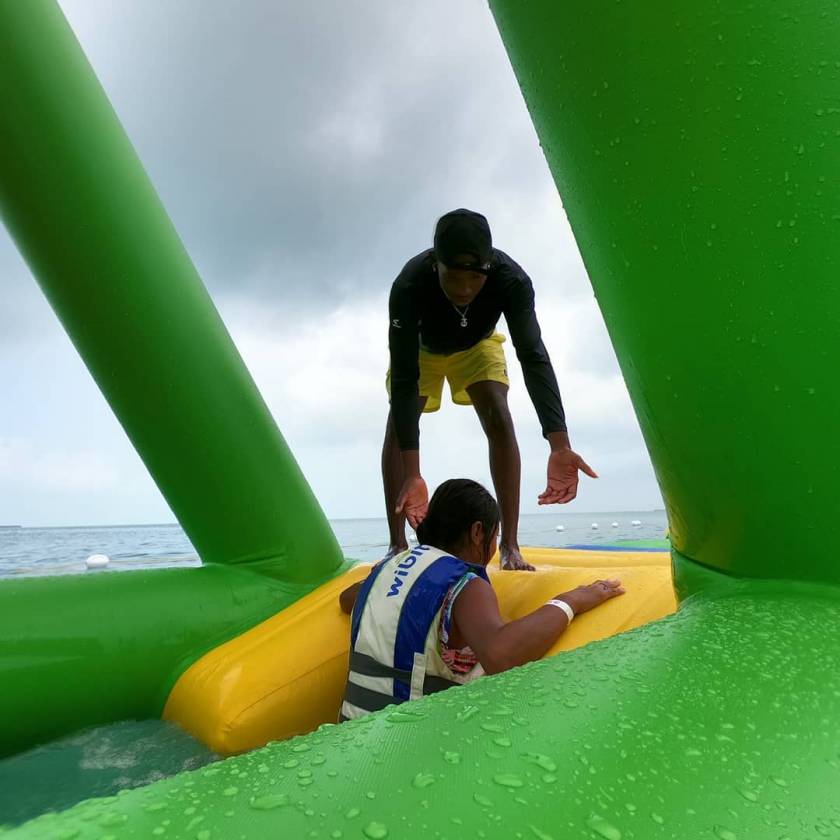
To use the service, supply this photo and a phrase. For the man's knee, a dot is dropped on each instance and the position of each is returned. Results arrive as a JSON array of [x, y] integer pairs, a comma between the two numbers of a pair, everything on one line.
[[493, 411]]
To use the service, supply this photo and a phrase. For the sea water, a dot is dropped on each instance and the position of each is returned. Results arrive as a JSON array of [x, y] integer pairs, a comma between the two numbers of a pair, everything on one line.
[[99, 761], [56, 551], [105, 759]]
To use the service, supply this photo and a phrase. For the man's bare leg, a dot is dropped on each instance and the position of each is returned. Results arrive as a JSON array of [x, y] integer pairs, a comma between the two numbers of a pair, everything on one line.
[[392, 480], [490, 401]]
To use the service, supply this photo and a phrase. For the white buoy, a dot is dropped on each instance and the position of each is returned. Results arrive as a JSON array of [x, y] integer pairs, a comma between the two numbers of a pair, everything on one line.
[[560, 528], [614, 525], [594, 526], [97, 561], [636, 522]]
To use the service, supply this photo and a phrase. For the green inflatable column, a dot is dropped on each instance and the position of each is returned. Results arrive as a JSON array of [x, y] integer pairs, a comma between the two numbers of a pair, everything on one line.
[[76, 200], [696, 146]]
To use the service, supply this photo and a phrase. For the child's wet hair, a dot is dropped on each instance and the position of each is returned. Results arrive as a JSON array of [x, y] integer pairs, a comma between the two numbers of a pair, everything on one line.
[[455, 505]]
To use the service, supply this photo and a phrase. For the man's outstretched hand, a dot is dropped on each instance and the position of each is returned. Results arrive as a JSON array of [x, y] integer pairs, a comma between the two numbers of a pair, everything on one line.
[[413, 500], [562, 485]]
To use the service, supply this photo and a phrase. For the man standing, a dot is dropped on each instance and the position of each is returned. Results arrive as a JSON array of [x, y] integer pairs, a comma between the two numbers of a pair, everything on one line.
[[443, 310]]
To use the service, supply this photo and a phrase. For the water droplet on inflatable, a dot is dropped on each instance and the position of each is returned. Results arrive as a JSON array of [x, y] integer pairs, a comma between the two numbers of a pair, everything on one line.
[[492, 727], [508, 780], [353, 812], [422, 780], [269, 801], [501, 741], [724, 833], [302, 747], [292, 762], [375, 830], [543, 761], [540, 835], [404, 717], [749, 795], [483, 800], [230, 791], [657, 818], [467, 712], [452, 757], [778, 780], [204, 834], [603, 828], [111, 820]]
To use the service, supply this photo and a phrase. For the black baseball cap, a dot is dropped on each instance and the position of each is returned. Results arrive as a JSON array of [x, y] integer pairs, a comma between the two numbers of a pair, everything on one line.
[[462, 232]]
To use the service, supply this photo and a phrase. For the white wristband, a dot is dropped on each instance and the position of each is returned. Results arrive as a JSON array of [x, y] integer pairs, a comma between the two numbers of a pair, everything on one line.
[[556, 602]]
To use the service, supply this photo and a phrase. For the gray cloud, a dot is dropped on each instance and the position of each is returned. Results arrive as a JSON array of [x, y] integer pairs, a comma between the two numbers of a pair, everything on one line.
[[304, 152], [304, 155], [307, 153]]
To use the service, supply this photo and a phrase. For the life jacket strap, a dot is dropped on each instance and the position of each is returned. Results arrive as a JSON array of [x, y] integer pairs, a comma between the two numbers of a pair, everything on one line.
[[367, 699], [367, 666], [371, 701]]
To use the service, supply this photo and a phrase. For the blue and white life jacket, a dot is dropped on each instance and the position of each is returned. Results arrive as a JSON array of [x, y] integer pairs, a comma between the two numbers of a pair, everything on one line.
[[395, 631]]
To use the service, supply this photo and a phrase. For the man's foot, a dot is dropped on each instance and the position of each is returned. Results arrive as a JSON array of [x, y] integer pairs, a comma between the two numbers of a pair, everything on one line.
[[511, 559], [393, 551]]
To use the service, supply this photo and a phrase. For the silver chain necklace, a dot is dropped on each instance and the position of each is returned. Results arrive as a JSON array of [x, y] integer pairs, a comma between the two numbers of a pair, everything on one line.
[[462, 313]]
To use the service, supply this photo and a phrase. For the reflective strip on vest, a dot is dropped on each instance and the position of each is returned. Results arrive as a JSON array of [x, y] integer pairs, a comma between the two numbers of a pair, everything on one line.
[[395, 628]]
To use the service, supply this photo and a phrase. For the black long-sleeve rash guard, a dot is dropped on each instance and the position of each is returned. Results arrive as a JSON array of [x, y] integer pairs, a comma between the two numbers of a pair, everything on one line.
[[421, 315]]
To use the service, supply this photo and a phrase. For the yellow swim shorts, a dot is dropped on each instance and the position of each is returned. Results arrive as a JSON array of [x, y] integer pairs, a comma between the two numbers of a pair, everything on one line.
[[482, 362]]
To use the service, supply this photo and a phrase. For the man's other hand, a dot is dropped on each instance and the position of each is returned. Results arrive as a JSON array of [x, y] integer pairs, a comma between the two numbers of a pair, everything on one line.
[[413, 501], [562, 485]]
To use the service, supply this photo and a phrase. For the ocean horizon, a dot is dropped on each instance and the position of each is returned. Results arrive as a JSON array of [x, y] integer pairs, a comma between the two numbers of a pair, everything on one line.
[[63, 549]]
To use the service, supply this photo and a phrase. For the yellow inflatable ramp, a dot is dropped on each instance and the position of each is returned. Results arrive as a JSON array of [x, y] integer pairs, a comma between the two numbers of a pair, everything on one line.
[[286, 676]]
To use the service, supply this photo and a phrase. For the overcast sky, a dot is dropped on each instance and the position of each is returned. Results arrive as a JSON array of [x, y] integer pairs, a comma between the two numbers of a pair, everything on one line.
[[304, 152]]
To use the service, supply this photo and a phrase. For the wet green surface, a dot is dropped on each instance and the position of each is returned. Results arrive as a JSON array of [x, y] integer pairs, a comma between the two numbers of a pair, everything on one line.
[[722, 721]]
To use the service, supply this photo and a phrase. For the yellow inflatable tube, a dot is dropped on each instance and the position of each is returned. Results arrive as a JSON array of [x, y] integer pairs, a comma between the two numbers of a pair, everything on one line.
[[286, 676]]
